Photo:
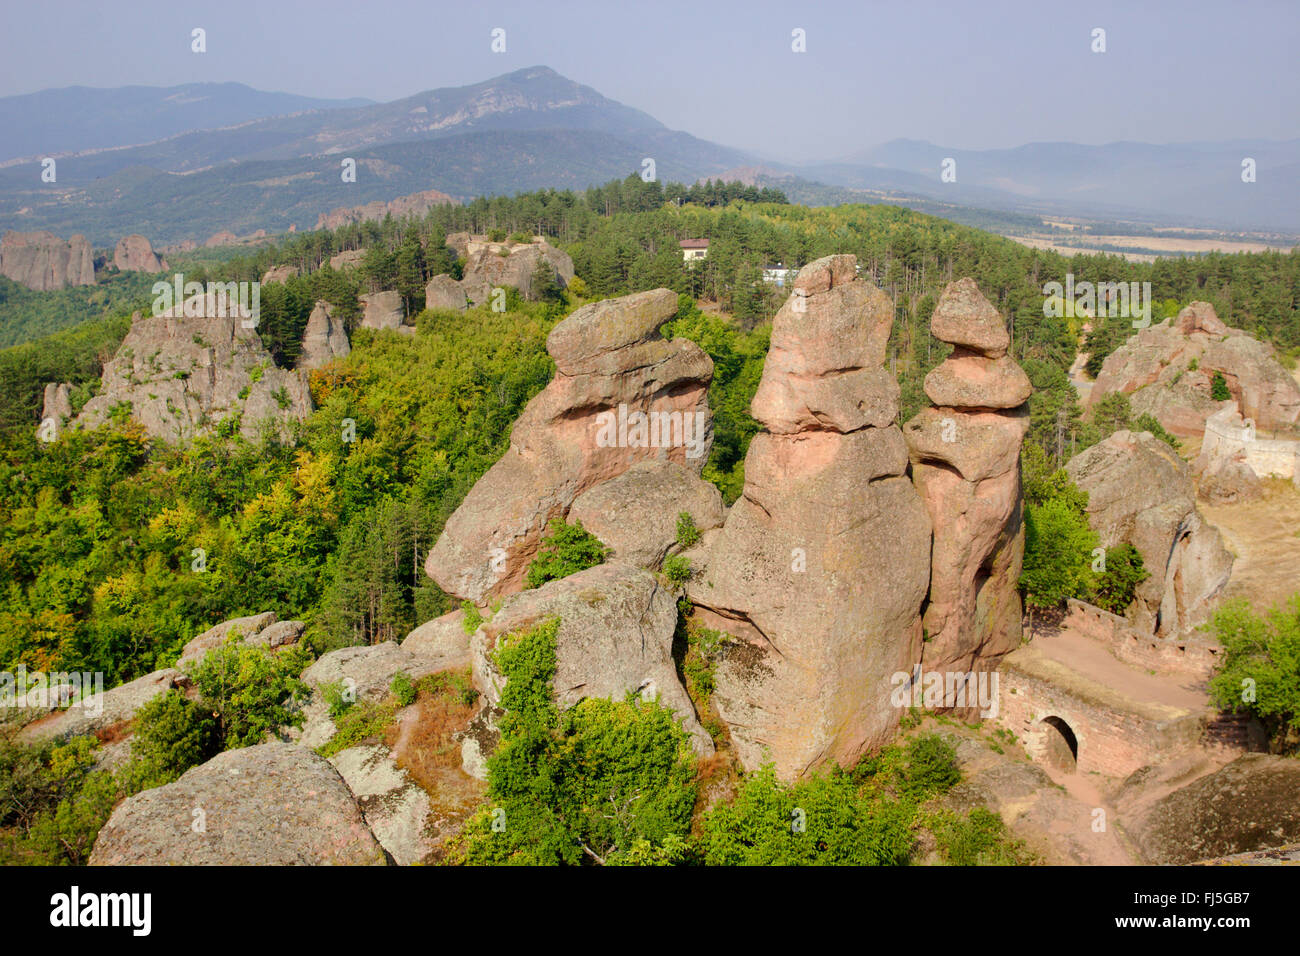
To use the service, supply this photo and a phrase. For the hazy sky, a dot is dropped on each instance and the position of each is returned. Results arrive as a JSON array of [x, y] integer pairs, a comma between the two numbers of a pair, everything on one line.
[[969, 75]]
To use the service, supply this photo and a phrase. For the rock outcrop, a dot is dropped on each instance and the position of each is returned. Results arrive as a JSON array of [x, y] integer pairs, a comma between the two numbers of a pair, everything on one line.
[[135, 254], [1154, 368], [347, 259], [256, 630], [444, 292], [635, 515], [270, 805], [383, 310], [503, 264], [1250, 804], [416, 204], [94, 712], [443, 642], [1140, 492], [821, 567], [965, 453], [187, 369], [279, 274], [395, 807], [42, 261], [323, 340], [367, 669], [621, 393], [615, 637], [58, 402]]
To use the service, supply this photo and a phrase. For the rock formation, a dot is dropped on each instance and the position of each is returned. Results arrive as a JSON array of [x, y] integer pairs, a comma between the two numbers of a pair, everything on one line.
[[257, 630], [190, 368], [42, 261], [621, 394], [101, 711], [222, 238], [58, 402], [444, 292], [347, 259], [443, 641], [280, 274], [1140, 492], [965, 453], [369, 667], [501, 264], [615, 637], [821, 567], [1154, 369], [395, 807], [135, 254], [416, 204], [269, 805], [383, 310], [323, 340], [635, 514]]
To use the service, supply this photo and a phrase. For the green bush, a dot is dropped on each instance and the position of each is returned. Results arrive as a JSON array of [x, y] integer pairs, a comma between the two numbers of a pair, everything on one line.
[[1219, 388], [604, 782], [687, 532], [568, 549], [172, 734], [1260, 673], [930, 767], [677, 569], [403, 689], [249, 690], [1116, 586]]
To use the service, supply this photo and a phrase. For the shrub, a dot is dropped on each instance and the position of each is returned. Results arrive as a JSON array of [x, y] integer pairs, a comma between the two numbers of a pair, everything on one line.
[[677, 569], [249, 690], [359, 723], [336, 699], [1260, 673], [604, 782], [930, 767], [1219, 388], [567, 550], [978, 839], [687, 532], [472, 619], [403, 689], [1116, 586], [172, 734]]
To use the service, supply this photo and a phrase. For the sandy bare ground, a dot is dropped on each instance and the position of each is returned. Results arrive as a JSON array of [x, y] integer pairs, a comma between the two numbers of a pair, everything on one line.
[[1264, 538], [1165, 245]]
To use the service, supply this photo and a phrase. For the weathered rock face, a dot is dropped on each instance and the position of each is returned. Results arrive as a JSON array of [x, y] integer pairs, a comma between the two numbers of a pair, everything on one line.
[[444, 292], [256, 630], [621, 394], [635, 514], [98, 711], [416, 204], [42, 261], [487, 268], [369, 668], [58, 402], [821, 567], [1248, 805], [1140, 492], [182, 373], [965, 454], [382, 310], [615, 637], [323, 340], [347, 259], [394, 806], [270, 805], [279, 274], [442, 641], [1153, 368], [135, 254]]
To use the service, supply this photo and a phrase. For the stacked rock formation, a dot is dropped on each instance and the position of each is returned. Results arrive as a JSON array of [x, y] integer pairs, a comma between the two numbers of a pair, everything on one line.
[[821, 567], [134, 253], [42, 261], [612, 366], [496, 264], [444, 292], [965, 453], [383, 310]]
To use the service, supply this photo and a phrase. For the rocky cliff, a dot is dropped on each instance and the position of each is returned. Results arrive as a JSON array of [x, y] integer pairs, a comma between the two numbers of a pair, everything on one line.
[[42, 261], [134, 253], [416, 204]]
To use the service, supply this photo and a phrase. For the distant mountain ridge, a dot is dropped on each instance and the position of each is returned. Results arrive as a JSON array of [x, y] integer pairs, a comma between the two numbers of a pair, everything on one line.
[[533, 128], [78, 118]]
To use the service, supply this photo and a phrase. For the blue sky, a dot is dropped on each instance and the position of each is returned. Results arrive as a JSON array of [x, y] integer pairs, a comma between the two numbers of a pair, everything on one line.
[[968, 75]]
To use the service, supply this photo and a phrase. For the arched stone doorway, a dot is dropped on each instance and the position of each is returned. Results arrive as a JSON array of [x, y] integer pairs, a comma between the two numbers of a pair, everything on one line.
[[1060, 745]]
